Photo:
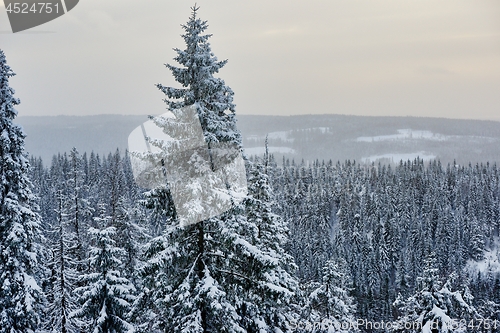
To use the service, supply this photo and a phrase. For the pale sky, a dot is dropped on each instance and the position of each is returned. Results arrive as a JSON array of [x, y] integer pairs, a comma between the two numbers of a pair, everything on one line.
[[372, 57]]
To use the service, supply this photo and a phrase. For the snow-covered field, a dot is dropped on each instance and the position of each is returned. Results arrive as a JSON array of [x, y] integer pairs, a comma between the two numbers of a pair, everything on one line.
[[321, 129], [395, 158], [280, 135], [285, 136], [409, 134], [262, 150], [405, 134]]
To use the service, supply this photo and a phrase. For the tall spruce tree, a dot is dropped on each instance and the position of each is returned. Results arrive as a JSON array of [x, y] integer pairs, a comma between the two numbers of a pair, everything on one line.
[[105, 296], [330, 303], [435, 307], [269, 289], [79, 208], [213, 98], [20, 295], [60, 296], [196, 275]]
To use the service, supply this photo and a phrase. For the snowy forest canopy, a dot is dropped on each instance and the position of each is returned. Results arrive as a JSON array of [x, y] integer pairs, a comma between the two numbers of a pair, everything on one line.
[[312, 247], [380, 223]]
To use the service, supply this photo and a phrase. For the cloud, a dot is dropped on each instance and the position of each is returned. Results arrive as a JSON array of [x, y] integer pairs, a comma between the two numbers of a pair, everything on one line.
[[102, 20], [433, 71], [283, 32], [346, 56]]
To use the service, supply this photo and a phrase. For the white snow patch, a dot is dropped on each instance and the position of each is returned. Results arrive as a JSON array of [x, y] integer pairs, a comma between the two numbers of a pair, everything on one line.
[[444, 318], [405, 134], [283, 135], [30, 286], [286, 136], [490, 263], [395, 158], [409, 134], [323, 129], [280, 135], [262, 150]]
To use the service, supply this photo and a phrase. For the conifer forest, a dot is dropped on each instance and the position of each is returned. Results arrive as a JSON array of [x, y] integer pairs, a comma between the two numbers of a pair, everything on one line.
[[314, 246]]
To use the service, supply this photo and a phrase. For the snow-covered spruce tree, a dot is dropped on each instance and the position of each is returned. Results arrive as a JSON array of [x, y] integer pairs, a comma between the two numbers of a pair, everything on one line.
[[105, 296], [197, 277], [214, 99], [124, 216], [60, 296], [434, 307], [330, 302], [95, 180], [268, 288], [20, 295], [79, 209]]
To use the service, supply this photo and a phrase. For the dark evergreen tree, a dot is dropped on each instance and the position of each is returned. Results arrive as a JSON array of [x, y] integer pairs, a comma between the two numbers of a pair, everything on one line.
[[105, 296], [63, 275], [269, 281], [195, 275], [435, 307], [330, 303], [20, 293]]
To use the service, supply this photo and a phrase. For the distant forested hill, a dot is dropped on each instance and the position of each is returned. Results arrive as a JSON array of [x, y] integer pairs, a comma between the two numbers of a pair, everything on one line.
[[308, 137], [47, 136]]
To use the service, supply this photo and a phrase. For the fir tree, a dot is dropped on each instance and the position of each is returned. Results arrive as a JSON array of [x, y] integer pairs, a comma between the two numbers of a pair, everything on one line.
[[79, 206], [124, 212], [197, 276], [435, 307], [330, 302], [213, 98], [270, 283], [105, 296], [20, 295], [63, 274]]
